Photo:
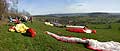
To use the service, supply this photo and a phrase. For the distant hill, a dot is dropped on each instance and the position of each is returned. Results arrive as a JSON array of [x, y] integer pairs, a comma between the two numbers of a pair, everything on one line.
[[69, 14], [94, 14], [62, 15]]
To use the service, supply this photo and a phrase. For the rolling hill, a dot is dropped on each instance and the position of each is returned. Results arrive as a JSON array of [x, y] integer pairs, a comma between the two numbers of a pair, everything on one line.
[[12, 41], [94, 14]]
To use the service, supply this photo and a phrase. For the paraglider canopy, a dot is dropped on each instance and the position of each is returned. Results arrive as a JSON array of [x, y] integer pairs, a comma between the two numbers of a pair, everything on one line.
[[94, 31]]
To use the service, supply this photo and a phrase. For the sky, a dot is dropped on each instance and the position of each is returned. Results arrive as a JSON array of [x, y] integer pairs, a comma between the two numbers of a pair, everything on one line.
[[43, 7]]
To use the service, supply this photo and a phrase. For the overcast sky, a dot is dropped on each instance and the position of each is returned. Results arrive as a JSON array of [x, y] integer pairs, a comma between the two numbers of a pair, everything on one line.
[[41, 7]]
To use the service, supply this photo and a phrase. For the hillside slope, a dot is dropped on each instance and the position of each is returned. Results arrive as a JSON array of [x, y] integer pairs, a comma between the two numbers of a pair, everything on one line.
[[12, 41]]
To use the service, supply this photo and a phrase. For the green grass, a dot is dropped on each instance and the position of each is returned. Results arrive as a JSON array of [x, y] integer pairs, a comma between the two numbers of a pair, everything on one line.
[[12, 41]]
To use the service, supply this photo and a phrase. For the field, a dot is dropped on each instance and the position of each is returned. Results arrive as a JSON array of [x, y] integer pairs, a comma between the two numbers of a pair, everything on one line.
[[12, 41]]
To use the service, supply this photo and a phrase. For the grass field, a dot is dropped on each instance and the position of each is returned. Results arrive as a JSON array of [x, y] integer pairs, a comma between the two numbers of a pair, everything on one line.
[[12, 41]]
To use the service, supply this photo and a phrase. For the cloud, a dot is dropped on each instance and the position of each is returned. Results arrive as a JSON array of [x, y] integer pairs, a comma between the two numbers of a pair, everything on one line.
[[93, 6], [70, 6], [77, 8]]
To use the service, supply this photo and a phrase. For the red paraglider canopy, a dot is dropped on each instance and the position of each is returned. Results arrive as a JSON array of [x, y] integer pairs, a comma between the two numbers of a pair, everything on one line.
[[81, 30], [31, 32]]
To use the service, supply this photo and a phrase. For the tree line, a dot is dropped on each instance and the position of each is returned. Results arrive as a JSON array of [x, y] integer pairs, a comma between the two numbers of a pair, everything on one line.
[[10, 8]]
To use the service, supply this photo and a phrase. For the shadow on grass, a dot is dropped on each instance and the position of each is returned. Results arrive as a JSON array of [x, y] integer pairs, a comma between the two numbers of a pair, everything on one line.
[[0, 31], [25, 34], [103, 28]]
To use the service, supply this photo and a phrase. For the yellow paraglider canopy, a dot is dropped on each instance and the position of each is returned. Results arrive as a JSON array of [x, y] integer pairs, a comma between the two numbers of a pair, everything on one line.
[[21, 28]]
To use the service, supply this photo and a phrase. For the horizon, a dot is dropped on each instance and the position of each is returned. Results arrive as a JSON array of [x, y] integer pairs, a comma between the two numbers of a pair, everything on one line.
[[79, 13], [44, 7]]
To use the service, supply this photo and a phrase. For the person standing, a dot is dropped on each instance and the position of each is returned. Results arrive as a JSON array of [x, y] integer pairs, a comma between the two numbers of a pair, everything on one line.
[[31, 19]]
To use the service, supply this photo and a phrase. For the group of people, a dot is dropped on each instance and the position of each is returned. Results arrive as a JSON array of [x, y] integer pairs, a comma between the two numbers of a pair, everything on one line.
[[20, 27], [17, 19]]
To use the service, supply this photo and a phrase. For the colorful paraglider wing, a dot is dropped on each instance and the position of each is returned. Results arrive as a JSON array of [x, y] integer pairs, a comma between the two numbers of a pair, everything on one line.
[[78, 30], [103, 46], [21, 28], [31, 32], [11, 29], [48, 23], [75, 26], [91, 43], [81, 30], [67, 39]]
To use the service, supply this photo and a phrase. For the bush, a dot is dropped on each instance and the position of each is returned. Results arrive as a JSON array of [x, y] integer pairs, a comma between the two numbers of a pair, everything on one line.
[[119, 28]]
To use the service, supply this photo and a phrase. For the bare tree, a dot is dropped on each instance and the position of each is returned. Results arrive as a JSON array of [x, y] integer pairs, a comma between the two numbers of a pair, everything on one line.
[[3, 7]]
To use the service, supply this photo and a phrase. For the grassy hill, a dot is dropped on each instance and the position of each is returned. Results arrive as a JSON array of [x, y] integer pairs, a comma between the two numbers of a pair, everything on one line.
[[12, 41]]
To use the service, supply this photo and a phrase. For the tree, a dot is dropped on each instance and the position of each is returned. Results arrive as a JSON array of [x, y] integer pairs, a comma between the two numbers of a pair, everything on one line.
[[3, 7], [24, 12]]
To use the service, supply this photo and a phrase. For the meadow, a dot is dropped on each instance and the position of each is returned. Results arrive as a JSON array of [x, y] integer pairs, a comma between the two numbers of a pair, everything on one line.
[[13, 41]]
